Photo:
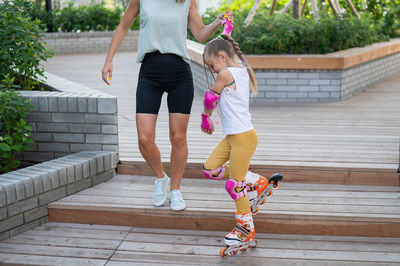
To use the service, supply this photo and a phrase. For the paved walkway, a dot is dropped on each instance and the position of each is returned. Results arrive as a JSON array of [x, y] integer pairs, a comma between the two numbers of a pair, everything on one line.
[[361, 132]]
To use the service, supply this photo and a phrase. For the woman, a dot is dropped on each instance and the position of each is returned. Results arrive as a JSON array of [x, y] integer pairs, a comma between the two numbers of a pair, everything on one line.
[[165, 68]]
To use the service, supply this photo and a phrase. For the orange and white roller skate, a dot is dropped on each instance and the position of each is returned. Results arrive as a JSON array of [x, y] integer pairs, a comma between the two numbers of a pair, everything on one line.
[[259, 188], [241, 237]]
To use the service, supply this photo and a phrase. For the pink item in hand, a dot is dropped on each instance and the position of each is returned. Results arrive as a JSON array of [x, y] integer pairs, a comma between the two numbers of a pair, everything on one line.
[[227, 25], [206, 122]]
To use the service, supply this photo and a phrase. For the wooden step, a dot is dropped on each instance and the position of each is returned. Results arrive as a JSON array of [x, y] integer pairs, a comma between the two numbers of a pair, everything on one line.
[[310, 209], [323, 173], [81, 244]]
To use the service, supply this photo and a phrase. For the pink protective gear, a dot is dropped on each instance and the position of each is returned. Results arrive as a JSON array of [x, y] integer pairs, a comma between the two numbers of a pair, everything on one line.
[[228, 26], [210, 174], [232, 184], [206, 122], [210, 100]]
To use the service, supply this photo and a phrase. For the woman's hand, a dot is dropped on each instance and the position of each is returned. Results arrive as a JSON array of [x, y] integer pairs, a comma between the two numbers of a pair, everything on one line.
[[227, 14], [106, 72]]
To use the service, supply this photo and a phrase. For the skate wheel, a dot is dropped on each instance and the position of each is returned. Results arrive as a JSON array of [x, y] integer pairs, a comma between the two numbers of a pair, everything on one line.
[[269, 194], [222, 252], [255, 244], [255, 212], [262, 203], [276, 186]]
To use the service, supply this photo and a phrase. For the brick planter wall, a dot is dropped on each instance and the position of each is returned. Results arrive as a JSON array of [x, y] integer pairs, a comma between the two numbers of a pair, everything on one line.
[[70, 119], [88, 42], [308, 78]]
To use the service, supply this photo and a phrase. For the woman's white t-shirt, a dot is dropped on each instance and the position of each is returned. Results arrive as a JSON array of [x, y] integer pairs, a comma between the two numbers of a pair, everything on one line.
[[234, 103]]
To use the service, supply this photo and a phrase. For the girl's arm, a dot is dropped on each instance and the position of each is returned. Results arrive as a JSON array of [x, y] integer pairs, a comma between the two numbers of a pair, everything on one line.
[[224, 77], [129, 17], [200, 31]]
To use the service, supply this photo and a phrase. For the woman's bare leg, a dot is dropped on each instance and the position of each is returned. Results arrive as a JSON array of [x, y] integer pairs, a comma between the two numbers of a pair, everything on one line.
[[146, 128], [178, 124]]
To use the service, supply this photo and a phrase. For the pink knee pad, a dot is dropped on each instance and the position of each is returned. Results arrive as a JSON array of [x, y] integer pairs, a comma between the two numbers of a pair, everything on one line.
[[210, 173], [232, 184]]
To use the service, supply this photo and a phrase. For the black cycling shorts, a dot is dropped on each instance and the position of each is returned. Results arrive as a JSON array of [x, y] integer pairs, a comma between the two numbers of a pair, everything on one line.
[[161, 73]]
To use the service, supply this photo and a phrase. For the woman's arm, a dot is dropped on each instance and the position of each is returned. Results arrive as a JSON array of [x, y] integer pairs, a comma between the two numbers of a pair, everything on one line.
[[200, 31], [129, 17]]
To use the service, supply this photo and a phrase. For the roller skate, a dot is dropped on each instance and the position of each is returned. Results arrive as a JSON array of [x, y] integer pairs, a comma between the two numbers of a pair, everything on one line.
[[241, 237], [259, 188]]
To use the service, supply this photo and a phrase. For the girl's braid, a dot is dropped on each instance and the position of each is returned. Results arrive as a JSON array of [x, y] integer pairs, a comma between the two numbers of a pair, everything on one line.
[[239, 53]]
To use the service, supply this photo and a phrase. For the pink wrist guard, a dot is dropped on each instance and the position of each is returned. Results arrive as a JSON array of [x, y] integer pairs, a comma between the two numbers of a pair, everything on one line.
[[206, 121], [228, 27], [210, 99]]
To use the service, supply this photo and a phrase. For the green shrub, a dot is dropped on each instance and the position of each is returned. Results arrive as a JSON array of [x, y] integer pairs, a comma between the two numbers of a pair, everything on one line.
[[22, 46], [281, 34], [14, 131]]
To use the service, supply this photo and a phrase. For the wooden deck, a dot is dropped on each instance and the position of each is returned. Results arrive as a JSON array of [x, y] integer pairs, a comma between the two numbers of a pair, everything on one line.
[[309, 209], [350, 142], [81, 244]]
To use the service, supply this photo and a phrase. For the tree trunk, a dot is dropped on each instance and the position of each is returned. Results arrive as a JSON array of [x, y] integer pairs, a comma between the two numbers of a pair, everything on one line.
[[315, 10], [286, 8], [271, 11], [252, 12], [335, 11], [353, 9], [296, 9], [303, 10]]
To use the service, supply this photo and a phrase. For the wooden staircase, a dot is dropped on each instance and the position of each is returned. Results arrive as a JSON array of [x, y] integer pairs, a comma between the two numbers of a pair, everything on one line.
[[295, 208]]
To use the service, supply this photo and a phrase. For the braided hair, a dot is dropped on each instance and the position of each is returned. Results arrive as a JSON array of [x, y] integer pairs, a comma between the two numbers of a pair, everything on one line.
[[231, 48]]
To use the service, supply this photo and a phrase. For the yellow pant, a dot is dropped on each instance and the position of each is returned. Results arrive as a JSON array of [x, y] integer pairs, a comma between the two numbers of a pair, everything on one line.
[[238, 149]]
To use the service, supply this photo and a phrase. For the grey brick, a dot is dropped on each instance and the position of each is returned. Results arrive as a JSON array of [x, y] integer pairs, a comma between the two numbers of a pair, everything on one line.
[[63, 104], [68, 117], [60, 168], [84, 128], [42, 136], [36, 213], [52, 127], [100, 178], [52, 195], [11, 222], [107, 105], [101, 119], [109, 129], [114, 160], [53, 104], [79, 186], [318, 94], [23, 228], [98, 138], [3, 213], [100, 164], [37, 181], [266, 88], [35, 102], [72, 104], [61, 147], [276, 94], [297, 94], [68, 137], [92, 105], [287, 75], [82, 104], [38, 117], [335, 95], [10, 189], [43, 104], [4, 235], [329, 88], [298, 81], [93, 166], [22, 206], [113, 147], [277, 81], [336, 82], [308, 75], [266, 75], [320, 82], [3, 199], [286, 88], [84, 147]]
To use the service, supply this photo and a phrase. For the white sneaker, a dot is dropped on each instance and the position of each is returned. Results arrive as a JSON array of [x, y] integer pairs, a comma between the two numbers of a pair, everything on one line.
[[160, 191], [176, 201]]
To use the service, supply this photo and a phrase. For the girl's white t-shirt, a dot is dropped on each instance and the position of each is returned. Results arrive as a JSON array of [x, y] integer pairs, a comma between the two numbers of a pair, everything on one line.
[[234, 103]]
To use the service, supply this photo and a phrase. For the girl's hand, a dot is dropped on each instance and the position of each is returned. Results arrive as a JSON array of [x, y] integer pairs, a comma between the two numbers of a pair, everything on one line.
[[106, 72], [207, 125], [227, 14]]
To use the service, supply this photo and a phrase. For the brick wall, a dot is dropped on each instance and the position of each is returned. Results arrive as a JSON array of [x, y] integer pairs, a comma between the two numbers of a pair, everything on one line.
[[88, 42], [74, 118]]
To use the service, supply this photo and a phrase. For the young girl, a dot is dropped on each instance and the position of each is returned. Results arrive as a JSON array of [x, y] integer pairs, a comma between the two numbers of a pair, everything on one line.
[[231, 89]]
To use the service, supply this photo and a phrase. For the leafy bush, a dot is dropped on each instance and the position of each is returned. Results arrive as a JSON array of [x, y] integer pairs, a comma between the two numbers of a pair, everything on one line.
[[281, 34], [95, 17], [14, 131], [22, 46]]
